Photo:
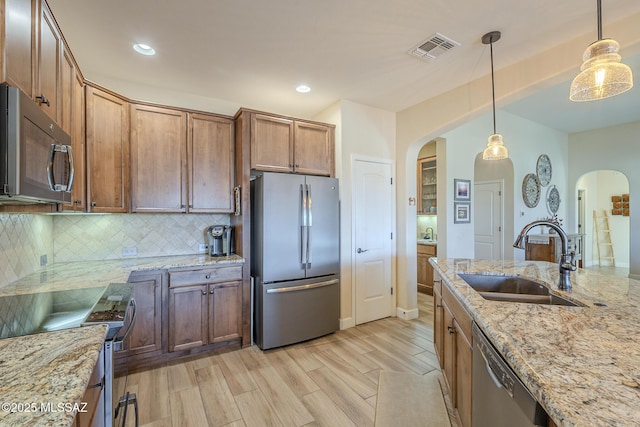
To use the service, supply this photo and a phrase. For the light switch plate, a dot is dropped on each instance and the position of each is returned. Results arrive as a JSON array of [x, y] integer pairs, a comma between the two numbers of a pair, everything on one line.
[[202, 248]]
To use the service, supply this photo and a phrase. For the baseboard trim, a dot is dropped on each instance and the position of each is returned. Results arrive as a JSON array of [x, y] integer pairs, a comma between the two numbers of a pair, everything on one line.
[[405, 314], [347, 322]]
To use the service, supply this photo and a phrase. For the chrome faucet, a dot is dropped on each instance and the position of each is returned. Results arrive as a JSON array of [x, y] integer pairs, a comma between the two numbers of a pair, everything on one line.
[[428, 233], [567, 262]]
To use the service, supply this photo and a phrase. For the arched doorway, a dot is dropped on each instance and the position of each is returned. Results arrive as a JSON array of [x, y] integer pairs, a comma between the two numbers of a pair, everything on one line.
[[597, 204]]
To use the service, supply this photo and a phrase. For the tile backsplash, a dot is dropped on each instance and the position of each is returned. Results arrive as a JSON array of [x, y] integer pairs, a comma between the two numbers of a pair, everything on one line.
[[24, 238], [98, 237]]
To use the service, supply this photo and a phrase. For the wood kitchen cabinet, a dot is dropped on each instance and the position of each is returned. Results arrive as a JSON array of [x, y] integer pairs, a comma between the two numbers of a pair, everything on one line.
[[205, 307], [49, 49], [453, 344], [32, 54], [19, 57], [211, 164], [158, 159], [107, 157], [425, 270], [427, 186], [147, 333], [280, 144], [72, 121]]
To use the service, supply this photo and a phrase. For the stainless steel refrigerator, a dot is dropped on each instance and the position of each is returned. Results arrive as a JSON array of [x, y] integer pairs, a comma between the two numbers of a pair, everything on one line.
[[295, 252]]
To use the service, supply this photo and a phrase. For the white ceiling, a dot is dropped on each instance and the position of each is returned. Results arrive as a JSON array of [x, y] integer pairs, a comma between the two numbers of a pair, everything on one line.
[[253, 53]]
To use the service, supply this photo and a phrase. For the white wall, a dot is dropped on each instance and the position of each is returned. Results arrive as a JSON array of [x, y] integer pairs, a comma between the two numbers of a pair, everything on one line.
[[525, 140], [360, 131], [613, 148]]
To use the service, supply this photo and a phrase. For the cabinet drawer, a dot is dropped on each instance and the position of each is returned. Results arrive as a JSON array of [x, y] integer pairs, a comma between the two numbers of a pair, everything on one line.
[[427, 250], [459, 313], [205, 275]]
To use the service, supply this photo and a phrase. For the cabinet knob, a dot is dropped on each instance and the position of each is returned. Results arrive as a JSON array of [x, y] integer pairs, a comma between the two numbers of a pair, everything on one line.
[[211, 291], [439, 305], [208, 276], [42, 100], [204, 292], [451, 330], [94, 204]]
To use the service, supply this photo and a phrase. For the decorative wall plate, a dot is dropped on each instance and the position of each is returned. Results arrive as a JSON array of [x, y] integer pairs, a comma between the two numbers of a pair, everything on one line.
[[543, 169], [531, 190], [553, 200]]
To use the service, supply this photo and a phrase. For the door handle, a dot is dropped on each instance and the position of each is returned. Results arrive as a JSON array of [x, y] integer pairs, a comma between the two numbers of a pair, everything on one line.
[[361, 251]]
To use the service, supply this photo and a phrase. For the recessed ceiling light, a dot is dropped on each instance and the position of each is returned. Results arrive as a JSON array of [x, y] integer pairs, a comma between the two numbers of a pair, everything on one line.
[[144, 49], [303, 89]]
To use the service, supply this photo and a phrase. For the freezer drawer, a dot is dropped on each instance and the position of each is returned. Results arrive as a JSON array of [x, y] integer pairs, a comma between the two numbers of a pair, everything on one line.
[[291, 312]]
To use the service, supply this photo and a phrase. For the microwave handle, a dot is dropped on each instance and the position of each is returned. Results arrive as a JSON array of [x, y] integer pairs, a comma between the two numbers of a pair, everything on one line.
[[72, 169], [59, 148]]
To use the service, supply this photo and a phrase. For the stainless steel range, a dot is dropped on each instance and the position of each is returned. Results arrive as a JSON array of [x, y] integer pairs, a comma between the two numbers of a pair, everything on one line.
[[116, 308], [52, 311]]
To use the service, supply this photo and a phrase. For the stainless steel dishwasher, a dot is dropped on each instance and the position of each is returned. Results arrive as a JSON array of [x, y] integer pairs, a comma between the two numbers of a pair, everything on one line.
[[499, 398]]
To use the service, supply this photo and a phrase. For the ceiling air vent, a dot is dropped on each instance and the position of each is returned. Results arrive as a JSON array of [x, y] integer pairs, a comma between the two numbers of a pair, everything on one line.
[[433, 47]]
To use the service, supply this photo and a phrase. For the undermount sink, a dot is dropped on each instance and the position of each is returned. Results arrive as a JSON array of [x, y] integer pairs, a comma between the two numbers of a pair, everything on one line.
[[513, 289]]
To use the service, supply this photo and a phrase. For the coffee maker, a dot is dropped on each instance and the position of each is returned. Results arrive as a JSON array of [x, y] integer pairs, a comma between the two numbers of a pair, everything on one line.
[[220, 240]]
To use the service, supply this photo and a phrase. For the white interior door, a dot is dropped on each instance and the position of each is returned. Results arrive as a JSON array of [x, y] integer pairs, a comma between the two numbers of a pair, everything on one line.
[[488, 222], [373, 205]]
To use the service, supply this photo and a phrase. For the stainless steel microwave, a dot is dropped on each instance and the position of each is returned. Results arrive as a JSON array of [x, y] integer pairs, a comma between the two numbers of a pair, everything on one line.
[[36, 164]]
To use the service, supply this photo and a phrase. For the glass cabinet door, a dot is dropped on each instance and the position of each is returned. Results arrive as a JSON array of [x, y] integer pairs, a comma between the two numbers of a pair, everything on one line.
[[427, 186]]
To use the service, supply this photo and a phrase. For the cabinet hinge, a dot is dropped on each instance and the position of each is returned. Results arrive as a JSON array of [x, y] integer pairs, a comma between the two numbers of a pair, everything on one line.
[[391, 291]]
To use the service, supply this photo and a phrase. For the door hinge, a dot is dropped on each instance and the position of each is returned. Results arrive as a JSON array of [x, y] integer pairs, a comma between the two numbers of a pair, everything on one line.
[[391, 236], [499, 192], [391, 181], [391, 291], [499, 228]]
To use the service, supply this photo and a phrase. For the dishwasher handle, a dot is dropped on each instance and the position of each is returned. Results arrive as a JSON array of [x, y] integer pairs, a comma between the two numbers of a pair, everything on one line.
[[492, 374]]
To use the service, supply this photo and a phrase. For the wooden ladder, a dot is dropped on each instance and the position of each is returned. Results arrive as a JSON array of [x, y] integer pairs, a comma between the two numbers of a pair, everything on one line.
[[603, 237]]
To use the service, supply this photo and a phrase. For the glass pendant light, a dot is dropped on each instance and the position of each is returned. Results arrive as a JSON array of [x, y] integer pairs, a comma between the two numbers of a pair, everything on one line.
[[602, 74], [495, 147]]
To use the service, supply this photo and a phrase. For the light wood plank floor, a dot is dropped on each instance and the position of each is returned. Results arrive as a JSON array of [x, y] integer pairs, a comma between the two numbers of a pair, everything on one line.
[[329, 381]]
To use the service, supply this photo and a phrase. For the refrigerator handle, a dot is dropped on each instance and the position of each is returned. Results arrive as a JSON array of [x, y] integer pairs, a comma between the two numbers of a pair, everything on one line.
[[303, 226], [309, 224]]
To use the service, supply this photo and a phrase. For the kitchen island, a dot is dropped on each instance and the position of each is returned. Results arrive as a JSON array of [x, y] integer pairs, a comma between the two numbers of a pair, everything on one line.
[[581, 363]]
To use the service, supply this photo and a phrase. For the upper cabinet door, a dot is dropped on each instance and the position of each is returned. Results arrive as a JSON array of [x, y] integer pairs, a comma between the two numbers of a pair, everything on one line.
[[19, 44], [49, 54], [313, 149], [107, 145], [211, 164], [158, 159], [271, 143]]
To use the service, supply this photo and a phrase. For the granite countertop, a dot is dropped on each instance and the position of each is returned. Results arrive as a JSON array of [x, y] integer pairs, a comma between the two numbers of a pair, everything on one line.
[[86, 274], [427, 242], [581, 363], [55, 367], [43, 376]]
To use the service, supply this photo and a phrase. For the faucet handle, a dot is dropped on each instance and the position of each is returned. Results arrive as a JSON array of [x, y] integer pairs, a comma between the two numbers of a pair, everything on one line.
[[569, 261]]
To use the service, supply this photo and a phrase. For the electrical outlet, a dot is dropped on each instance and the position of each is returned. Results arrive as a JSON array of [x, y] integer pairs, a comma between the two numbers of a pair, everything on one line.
[[43, 260], [129, 251], [202, 247]]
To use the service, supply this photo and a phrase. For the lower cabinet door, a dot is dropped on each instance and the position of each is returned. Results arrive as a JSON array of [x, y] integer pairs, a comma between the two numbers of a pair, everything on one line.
[[463, 375], [225, 311], [146, 335], [188, 317]]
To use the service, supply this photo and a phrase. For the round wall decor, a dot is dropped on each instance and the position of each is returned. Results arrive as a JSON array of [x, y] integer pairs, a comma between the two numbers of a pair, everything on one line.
[[553, 200], [543, 169], [531, 190]]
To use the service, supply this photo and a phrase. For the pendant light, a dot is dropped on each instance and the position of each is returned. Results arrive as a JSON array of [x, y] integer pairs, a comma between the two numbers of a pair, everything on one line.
[[602, 74], [495, 148]]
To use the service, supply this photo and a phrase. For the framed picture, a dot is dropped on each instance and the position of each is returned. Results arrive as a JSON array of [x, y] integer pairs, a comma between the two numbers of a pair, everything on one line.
[[462, 213], [462, 188]]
